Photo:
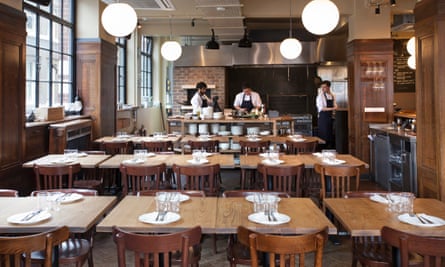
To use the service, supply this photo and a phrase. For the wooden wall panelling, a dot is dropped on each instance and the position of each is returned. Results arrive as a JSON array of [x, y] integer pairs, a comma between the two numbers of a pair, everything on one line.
[[430, 84], [370, 74], [96, 80]]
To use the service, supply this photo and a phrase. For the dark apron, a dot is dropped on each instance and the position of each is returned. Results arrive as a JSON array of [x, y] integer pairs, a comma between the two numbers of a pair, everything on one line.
[[247, 104], [325, 123], [204, 102]]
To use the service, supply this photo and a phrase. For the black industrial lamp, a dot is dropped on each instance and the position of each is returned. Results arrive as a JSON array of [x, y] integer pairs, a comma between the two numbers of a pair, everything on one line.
[[212, 44], [392, 2], [245, 42]]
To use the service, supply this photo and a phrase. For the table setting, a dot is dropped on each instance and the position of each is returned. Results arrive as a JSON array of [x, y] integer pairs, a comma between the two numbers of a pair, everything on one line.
[[271, 157], [265, 210], [139, 156], [199, 157], [329, 156], [167, 208]]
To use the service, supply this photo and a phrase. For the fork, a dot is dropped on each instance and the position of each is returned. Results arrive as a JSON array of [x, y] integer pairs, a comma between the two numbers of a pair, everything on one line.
[[31, 215]]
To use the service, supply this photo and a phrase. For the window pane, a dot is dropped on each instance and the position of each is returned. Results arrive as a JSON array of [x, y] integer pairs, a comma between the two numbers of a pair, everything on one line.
[[67, 40], [44, 40], [44, 94], [31, 28], [57, 94], [67, 10], [67, 92], [66, 66], [30, 96], [44, 65], [57, 8], [31, 63], [57, 67], [57, 38]]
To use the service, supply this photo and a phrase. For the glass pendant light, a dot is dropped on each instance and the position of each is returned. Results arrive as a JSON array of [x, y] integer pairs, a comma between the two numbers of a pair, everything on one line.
[[411, 45], [171, 50], [290, 48], [320, 16], [119, 19]]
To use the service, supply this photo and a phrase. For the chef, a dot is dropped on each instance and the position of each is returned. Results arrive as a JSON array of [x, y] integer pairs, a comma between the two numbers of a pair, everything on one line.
[[200, 99], [247, 100]]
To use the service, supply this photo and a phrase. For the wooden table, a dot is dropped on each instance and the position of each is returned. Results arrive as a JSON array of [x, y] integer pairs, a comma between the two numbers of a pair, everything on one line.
[[215, 215], [89, 161], [139, 139], [305, 217], [196, 211], [309, 160], [363, 217], [236, 139], [225, 161], [79, 216]]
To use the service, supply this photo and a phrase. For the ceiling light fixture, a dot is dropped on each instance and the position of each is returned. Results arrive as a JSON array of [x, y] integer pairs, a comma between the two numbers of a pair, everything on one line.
[[212, 44], [245, 42], [412, 62], [119, 19], [171, 50], [290, 48], [320, 16], [411, 46], [392, 2]]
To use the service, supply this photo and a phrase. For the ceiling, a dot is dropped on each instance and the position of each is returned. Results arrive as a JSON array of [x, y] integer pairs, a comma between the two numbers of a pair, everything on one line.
[[264, 20]]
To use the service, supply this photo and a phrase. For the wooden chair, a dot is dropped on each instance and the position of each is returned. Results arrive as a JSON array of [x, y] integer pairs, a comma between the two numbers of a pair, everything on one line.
[[430, 249], [287, 247], [91, 178], [55, 176], [211, 146], [202, 177], [336, 180], [158, 146], [369, 251], [238, 251], [190, 193], [16, 251], [153, 250], [294, 148], [136, 178], [254, 147], [245, 193], [72, 250], [112, 176], [9, 193], [285, 179]]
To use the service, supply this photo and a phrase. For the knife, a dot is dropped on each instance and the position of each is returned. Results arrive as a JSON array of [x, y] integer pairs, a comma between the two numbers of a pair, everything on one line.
[[31, 215], [425, 219]]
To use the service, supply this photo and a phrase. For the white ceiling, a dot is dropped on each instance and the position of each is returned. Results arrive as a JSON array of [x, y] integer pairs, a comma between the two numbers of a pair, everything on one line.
[[229, 18]]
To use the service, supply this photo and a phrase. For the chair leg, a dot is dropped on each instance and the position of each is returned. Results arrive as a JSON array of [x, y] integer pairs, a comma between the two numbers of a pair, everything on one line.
[[215, 250]]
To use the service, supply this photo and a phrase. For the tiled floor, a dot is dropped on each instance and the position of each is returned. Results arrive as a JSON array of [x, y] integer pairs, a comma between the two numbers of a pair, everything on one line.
[[334, 255]]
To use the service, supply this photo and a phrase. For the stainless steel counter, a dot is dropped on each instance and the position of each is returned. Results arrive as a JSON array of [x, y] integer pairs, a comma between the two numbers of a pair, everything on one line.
[[389, 129]]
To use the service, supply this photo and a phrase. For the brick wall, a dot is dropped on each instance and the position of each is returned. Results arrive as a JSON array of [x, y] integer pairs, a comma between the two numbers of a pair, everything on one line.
[[192, 75]]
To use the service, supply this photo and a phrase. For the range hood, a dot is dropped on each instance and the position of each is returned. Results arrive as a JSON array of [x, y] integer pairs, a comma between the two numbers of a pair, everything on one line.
[[324, 50]]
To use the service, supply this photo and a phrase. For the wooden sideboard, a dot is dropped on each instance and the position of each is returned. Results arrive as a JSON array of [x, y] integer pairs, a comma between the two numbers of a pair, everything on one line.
[[73, 134]]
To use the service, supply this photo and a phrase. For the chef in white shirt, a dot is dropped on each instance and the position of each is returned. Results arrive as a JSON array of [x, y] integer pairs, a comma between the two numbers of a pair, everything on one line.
[[247, 99], [200, 99]]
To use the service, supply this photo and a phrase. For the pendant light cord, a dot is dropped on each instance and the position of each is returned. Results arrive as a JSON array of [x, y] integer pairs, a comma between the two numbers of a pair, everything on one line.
[[290, 18], [171, 31]]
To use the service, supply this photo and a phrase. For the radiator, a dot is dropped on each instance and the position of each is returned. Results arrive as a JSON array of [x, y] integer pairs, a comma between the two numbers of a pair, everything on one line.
[[75, 134]]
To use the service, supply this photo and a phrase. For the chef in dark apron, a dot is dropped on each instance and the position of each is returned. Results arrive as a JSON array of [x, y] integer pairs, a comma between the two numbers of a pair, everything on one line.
[[200, 99], [326, 105], [247, 100]]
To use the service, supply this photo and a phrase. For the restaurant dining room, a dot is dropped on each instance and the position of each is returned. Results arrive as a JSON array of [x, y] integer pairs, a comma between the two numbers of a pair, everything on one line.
[[222, 133]]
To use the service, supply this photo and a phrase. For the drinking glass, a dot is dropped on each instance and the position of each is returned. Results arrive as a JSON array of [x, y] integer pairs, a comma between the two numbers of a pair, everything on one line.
[[70, 153], [196, 155], [328, 154], [140, 154], [42, 201]]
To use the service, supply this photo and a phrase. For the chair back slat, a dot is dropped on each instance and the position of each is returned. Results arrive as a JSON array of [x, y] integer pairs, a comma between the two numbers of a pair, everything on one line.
[[282, 178], [158, 146], [55, 176], [294, 148], [254, 147], [211, 146], [137, 178], [205, 178]]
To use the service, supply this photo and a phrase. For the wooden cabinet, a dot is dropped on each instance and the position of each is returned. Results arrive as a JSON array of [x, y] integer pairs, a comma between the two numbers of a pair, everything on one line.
[[75, 134], [36, 143], [370, 92], [430, 97]]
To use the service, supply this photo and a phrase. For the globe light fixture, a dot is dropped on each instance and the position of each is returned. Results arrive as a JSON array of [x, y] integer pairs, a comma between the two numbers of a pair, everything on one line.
[[411, 46], [290, 48], [320, 16], [412, 62], [171, 50], [119, 19]]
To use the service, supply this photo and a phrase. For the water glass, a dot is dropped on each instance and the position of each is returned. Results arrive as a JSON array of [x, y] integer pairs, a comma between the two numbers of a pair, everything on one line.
[[400, 202], [70, 153], [42, 201], [54, 200], [274, 155], [197, 155], [140, 154], [328, 154]]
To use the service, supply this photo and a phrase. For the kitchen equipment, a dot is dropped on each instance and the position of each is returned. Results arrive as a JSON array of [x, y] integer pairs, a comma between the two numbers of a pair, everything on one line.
[[222, 128], [203, 128], [237, 130], [218, 115], [193, 128], [214, 128], [207, 112], [253, 130]]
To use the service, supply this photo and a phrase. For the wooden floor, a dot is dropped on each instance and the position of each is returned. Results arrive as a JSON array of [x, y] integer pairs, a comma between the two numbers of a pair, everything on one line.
[[334, 255]]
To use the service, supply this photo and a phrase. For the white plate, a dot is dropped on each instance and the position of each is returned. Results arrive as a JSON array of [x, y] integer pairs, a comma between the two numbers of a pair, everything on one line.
[[334, 162], [272, 163], [259, 217], [251, 198], [182, 197], [208, 154], [203, 161], [81, 154], [298, 139], [69, 197], [406, 218], [19, 218], [255, 139], [62, 161], [133, 161], [317, 154], [264, 155], [170, 217], [264, 133], [378, 198]]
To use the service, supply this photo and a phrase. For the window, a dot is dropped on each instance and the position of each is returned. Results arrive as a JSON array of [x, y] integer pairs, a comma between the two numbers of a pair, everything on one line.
[[146, 70], [121, 44], [49, 53]]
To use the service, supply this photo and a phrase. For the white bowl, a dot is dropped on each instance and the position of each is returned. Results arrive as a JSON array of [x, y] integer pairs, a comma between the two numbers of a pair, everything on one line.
[[253, 130], [237, 130], [224, 146], [264, 132], [236, 146], [223, 133], [218, 115]]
